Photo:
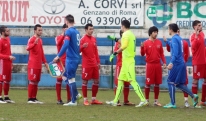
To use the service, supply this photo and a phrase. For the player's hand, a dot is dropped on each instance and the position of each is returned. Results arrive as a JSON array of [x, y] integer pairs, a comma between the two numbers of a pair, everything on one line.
[[47, 66], [170, 66], [142, 44], [36, 40], [99, 66], [12, 58], [112, 38], [164, 38], [64, 78], [164, 66], [112, 56], [85, 45], [56, 59]]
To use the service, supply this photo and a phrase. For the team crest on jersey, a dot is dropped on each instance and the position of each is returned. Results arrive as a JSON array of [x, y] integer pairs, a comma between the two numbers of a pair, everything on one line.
[[158, 46], [148, 79], [5, 45], [4, 76]]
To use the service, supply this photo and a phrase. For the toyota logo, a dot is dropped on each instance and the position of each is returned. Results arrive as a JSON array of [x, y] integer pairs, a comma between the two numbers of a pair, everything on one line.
[[54, 6]]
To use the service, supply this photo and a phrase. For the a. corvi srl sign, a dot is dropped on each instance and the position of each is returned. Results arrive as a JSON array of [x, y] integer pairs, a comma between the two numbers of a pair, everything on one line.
[[182, 13]]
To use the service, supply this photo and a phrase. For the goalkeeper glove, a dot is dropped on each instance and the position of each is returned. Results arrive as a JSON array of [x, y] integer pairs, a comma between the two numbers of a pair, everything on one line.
[[112, 56], [112, 38]]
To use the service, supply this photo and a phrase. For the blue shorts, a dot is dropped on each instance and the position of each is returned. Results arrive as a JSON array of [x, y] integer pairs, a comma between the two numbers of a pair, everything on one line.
[[71, 68], [177, 74]]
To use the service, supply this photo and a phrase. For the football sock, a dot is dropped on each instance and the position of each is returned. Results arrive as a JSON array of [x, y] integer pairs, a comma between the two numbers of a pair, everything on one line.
[[73, 90], [138, 90], [58, 90], [68, 93], [35, 89], [194, 88], [172, 93], [1, 88], [185, 89], [30, 89], [185, 95], [203, 92], [95, 88], [126, 93], [6, 88], [84, 90], [147, 90], [119, 91], [156, 91]]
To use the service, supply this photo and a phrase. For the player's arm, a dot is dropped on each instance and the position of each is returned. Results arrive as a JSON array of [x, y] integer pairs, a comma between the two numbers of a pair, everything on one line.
[[65, 45], [44, 58], [59, 40], [193, 42], [142, 49], [31, 43], [186, 50], [97, 54], [167, 43], [174, 55], [163, 56], [2, 56], [82, 45]]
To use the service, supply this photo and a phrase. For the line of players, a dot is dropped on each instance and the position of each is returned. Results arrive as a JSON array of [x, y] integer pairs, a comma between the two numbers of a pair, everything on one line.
[[91, 63]]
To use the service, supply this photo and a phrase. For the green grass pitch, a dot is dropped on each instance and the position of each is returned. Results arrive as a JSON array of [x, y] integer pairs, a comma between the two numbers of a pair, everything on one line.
[[50, 111]]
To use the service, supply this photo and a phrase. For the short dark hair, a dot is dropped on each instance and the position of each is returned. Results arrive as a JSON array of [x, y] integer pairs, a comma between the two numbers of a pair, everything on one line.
[[174, 27], [70, 18], [120, 33], [87, 26], [36, 26], [126, 24], [2, 29], [64, 26], [194, 23], [152, 29]]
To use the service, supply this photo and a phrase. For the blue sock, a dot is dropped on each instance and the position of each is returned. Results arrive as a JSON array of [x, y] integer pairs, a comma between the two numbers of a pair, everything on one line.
[[73, 90], [172, 93], [185, 89]]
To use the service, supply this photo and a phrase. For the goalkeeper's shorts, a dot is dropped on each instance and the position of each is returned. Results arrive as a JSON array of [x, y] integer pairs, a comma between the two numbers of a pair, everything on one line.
[[127, 72]]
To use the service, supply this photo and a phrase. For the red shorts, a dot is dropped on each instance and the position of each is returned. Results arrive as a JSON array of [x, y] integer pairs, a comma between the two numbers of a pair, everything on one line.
[[117, 71], [153, 73], [5, 71], [90, 73], [199, 71], [34, 74]]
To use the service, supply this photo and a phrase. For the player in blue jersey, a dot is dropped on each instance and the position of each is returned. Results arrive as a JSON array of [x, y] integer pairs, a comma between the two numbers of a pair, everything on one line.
[[177, 68], [71, 47]]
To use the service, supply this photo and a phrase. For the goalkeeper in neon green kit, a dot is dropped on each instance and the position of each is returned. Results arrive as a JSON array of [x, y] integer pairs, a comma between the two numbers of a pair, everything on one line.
[[127, 73]]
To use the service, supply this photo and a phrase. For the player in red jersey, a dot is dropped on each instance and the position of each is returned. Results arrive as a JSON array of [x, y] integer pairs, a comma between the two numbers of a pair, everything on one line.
[[5, 64], [117, 71], [90, 64], [36, 57], [186, 54], [59, 42], [153, 50], [197, 41]]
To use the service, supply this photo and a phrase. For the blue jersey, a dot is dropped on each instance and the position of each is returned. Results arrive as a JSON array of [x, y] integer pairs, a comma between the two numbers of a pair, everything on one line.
[[71, 44], [176, 46]]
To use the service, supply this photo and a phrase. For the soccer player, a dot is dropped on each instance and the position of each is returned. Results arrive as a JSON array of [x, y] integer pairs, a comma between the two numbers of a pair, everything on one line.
[[36, 57], [197, 41], [90, 64], [71, 47], [186, 54], [127, 72], [154, 52], [177, 68], [5, 64], [117, 71], [59, 42]]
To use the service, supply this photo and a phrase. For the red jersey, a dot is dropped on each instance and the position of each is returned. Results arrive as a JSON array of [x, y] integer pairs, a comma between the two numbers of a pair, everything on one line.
[[90, 56], [186, 52], [198, 49], [154, 51], [36, 53], [59, 42], [5, 50], [119, 56]]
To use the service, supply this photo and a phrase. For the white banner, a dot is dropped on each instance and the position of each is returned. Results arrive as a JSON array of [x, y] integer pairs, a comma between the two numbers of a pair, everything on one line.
[[52, 12]]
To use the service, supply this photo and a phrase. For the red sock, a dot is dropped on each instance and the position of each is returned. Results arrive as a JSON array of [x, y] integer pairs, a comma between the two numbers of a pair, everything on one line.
[[34, 92], [68, 93], [6, 88], [156, 91], [84, 90], [126, 93], [58, 90], [30, 89], [115, 89], [194, 88], [1, 88], [95, 89], [203, 92], [185, 94], [147, 90]]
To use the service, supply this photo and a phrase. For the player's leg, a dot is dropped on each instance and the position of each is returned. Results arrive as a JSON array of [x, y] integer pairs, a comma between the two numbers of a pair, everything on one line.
[[95, 85], [126, 94], [86, 75], [117, 71], [58, 90], [147, 91], [171, 88], [30, 74], [118, 91], [203, 103], [185, 94], [149, 79], [195, 79], [157, 82], [1, 87], [64, 78]]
